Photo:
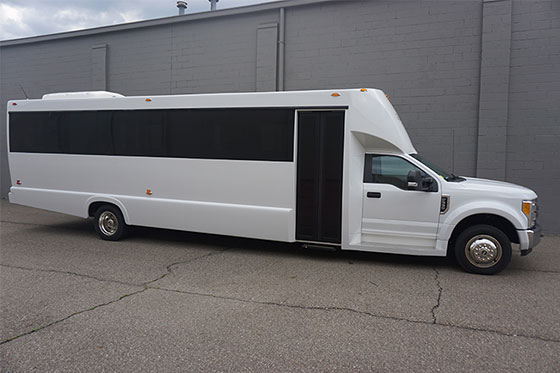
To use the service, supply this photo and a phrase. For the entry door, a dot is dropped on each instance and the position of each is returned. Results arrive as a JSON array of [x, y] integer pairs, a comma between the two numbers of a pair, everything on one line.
[[319, 176], [394, 216]]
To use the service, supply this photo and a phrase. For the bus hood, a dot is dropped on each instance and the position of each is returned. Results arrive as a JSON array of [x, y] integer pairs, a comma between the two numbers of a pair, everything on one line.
[[485, 186]]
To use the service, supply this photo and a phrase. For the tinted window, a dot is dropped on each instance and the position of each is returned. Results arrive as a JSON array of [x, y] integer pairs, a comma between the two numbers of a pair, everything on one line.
[[242, 134], [388, 169], [34, 132], [87, 132], [191, 134], [138, 133], [250, 134]]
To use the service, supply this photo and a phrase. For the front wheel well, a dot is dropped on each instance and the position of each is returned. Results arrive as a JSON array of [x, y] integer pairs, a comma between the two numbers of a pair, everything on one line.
[[489, 219]]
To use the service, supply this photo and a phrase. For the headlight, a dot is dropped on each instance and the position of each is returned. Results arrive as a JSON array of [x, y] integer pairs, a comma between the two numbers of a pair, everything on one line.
[[529, 208]]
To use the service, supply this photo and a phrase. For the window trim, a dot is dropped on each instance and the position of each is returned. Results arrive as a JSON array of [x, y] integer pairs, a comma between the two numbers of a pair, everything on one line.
[[368, 179]]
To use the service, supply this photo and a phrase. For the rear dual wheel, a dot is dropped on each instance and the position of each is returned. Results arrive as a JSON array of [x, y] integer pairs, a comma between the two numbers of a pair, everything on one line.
[[109, 223], [483, 249]]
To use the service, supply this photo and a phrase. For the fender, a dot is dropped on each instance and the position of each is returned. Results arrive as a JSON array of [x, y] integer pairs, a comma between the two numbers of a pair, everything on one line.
[[449, 221], [107, 199]]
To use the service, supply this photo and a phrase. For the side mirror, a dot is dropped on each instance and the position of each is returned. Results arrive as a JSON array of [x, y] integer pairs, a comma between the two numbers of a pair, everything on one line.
[[414, 180], [428, 184]]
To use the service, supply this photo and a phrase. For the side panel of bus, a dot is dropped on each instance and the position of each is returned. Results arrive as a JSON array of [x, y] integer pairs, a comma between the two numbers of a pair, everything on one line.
[[223, 171]]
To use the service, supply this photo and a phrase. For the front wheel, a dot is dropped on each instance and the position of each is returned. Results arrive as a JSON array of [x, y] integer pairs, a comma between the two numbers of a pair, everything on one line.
[[109, 223], [483, 249]]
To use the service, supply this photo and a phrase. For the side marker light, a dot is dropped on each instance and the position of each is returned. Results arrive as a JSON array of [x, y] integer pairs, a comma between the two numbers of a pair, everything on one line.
[[148, 100], [335, 94], [527, 207], [18, 182], [148, 192]]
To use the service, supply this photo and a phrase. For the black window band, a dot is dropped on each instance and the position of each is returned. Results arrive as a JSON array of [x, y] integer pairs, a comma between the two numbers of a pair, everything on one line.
[[237, 134]]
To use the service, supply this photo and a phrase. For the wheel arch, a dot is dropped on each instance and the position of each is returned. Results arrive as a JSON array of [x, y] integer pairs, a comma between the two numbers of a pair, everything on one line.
[[93, 203], [497, 221]]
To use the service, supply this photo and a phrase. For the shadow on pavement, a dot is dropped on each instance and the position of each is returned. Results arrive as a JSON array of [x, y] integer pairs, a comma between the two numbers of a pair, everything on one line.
[[155, 235]]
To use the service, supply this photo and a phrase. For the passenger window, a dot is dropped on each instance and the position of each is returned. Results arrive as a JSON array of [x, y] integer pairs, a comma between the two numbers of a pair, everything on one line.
[[388, 169]]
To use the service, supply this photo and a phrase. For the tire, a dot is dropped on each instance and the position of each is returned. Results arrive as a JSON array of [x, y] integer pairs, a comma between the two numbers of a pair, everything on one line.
[[483, 249], [109, 223]]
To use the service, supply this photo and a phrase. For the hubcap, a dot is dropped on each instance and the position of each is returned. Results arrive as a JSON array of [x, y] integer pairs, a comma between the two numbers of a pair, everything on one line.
[[108, 223], [483, 251]]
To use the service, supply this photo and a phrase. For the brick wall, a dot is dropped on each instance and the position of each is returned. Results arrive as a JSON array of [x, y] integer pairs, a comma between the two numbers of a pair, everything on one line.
[[533, 134], [425, 55]]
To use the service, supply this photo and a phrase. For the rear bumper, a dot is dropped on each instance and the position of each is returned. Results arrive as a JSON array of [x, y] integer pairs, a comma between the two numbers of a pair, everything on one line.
[[529, 238]]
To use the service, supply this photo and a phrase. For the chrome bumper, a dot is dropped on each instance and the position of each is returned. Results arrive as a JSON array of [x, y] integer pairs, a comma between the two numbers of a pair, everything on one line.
[[534, 236], [529, 239]]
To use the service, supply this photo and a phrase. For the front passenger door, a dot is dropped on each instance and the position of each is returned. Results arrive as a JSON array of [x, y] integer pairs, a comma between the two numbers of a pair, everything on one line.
[[395, 217]]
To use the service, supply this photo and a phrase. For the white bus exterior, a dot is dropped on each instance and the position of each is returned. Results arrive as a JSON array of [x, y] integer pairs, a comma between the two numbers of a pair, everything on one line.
[[333, 168]]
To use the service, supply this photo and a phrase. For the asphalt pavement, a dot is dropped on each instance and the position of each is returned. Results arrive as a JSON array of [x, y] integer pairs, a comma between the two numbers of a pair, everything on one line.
[[176, 301]]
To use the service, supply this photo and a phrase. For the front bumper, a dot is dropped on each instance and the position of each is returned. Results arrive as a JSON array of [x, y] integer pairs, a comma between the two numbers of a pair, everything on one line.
[[529, 238]]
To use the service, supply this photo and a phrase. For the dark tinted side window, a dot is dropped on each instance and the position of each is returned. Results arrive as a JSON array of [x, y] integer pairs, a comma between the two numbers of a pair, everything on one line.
[[249, 134], [138, 133], [388, 169], [191, 134], [34, 132], [85, 132], [256, 134], [241, 134]]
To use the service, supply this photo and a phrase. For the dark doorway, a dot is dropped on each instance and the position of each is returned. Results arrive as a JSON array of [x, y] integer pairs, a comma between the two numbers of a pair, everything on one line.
[[319, 176]]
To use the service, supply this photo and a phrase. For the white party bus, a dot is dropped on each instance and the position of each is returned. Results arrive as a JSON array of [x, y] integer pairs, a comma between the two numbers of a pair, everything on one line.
[[324, 168]]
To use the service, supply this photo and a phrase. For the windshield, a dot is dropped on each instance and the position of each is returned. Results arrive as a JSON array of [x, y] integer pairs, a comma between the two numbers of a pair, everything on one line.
[[440, 171]]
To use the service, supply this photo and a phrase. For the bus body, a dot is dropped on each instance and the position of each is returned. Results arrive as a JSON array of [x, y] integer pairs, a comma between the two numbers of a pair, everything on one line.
[[333, 168]]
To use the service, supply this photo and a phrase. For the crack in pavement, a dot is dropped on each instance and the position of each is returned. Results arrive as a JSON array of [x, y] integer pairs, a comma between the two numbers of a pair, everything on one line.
[[440, 290], [346, 309], [72, 315], [283, 305], [169, 268], [69, 273], [145, 287]]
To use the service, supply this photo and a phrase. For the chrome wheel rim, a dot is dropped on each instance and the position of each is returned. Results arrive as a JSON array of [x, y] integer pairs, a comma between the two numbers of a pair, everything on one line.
[[108, 223], [483, 251]]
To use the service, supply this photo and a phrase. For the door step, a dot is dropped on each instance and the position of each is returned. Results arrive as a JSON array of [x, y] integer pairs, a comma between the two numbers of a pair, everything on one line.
[[316, 247]]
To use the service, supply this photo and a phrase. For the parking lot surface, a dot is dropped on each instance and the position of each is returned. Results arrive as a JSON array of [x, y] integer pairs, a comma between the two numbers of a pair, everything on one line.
[[177, 301]]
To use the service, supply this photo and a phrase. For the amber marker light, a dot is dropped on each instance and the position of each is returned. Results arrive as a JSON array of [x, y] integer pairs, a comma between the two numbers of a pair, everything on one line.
[[527, 207], [363, 90], [335, 94], [148, 100]]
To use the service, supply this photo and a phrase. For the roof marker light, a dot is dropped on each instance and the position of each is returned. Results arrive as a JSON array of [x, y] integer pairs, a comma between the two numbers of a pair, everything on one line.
[[148, 100], [14, 103], [335, 94], [148, 192], [18, 182], [363, 89]]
